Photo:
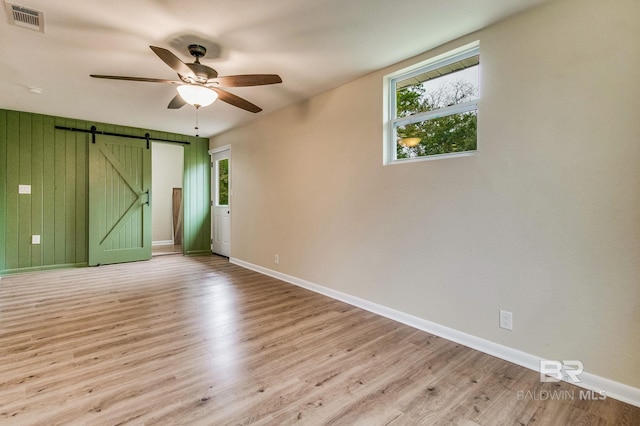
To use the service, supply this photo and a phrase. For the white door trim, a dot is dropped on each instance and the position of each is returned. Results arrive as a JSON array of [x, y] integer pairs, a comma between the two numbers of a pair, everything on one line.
[[220, 149]]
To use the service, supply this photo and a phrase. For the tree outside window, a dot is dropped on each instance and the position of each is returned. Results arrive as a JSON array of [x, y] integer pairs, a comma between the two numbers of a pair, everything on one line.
[[436, 108]]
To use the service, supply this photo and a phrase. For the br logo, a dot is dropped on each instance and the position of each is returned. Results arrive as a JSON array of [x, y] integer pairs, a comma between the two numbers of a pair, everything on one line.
[[555, 371]]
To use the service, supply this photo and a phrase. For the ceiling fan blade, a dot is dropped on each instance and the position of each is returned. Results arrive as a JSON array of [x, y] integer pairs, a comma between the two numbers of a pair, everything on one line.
[[246, 80], [149, 80], [173, 61], [176, 102], [235, 100]]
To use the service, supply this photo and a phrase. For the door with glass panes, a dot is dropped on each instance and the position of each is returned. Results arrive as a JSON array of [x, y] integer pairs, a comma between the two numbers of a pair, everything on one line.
[[220, 206]]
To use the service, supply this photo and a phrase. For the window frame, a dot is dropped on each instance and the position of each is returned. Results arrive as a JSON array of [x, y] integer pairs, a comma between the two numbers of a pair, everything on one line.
[[392, 122]]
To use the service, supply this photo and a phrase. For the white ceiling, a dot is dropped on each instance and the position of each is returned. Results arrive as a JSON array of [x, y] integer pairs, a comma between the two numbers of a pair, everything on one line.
[[314, 45]]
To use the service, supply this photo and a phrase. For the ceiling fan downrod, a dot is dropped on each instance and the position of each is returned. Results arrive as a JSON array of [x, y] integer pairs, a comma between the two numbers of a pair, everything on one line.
[[197, 51]]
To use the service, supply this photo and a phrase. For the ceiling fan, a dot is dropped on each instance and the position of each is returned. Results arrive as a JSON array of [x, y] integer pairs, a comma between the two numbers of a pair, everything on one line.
[[199, 85]]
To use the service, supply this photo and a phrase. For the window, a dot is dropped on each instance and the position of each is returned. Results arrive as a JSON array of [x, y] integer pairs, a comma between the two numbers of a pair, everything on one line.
[[222, 177], [433, 108]]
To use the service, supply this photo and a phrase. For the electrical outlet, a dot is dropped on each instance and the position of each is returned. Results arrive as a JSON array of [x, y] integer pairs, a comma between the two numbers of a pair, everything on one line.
[[506, 320], [276, 259], [35, 239]]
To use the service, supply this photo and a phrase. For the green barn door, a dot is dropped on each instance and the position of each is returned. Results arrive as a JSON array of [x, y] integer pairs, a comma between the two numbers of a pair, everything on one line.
[[119, 200]]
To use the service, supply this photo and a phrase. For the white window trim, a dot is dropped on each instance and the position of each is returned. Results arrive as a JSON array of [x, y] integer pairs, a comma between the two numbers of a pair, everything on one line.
[[389, 99], [436, 113]]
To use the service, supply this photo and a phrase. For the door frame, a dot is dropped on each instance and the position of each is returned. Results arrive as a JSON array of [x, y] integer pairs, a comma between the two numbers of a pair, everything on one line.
[[154, 172], [214, 184]]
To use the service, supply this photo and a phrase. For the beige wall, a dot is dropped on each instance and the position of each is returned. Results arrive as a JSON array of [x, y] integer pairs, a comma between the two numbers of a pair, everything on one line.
[[167, 171], [543, 221]]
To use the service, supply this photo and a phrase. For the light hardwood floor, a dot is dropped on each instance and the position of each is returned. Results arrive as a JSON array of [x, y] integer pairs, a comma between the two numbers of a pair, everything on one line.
[[165, 249], [196, 340]]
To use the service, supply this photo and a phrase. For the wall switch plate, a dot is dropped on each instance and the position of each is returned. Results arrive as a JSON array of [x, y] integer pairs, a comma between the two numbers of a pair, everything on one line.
[[506, 320], [24, 189], [276, 259], [35, 239]]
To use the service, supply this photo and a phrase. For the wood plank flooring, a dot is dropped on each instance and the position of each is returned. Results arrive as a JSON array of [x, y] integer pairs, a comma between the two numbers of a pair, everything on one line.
[[165, 249], [195, 340]]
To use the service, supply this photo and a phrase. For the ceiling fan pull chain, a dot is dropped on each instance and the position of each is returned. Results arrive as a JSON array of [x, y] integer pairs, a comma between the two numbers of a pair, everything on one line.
[[197, 135]]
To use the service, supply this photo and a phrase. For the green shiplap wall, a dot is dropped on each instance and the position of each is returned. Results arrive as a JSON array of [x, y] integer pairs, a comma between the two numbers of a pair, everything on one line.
[[197, 209], [55, 164], [3, 187]]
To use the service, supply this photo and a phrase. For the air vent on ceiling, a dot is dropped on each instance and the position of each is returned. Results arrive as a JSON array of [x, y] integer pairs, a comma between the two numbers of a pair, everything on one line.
[[25, 17]]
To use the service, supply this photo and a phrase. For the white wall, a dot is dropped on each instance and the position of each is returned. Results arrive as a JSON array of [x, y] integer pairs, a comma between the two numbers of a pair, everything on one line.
[[544, 221], [167, 171]]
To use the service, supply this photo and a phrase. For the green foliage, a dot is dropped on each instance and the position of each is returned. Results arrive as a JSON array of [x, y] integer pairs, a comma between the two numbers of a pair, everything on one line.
[[452, 133], [409, 101], [223, 182]]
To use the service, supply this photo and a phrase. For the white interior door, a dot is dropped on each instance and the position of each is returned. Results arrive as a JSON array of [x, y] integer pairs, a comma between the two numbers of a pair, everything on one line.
[[221, 202]]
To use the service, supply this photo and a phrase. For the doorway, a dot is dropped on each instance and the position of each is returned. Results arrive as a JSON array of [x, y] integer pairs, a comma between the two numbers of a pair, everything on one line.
[[167, 172], [221, 193]]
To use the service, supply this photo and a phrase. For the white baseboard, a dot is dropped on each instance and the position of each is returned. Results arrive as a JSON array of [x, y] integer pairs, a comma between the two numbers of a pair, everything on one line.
[[613, 389], [162, 243]]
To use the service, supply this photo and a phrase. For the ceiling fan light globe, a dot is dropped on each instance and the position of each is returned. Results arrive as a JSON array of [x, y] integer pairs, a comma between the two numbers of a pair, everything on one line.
[[409, 142], [197, 95]]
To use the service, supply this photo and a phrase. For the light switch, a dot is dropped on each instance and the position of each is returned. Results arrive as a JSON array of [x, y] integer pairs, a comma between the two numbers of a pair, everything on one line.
[[35, 239], [24, 189]]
